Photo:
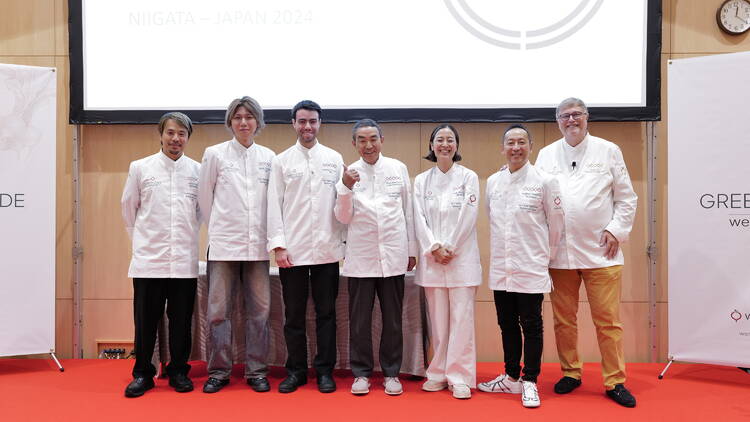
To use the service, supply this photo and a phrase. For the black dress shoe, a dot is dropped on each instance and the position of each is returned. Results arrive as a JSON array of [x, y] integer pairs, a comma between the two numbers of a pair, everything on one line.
[[566, 385], [213, 385], [138, 386], [326, 384], [291, 382], [621, 396], [259, 385], [181, 383]]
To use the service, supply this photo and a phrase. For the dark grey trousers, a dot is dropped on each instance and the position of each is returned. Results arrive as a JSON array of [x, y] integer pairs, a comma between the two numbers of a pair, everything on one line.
[[390, 292]]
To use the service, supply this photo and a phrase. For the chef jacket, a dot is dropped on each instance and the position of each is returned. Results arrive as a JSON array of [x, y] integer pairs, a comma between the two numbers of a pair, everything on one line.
[[597, 196], [302, 194], [445, 214], [526, 223], [378, 212], [233, 192], [160, 209]]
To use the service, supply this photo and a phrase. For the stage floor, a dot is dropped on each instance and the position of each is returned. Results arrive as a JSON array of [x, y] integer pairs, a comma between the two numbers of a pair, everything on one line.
[[34, 390]]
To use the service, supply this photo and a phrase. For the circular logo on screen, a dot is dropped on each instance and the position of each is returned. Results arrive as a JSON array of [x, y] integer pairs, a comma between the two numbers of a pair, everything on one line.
[[523, 24]]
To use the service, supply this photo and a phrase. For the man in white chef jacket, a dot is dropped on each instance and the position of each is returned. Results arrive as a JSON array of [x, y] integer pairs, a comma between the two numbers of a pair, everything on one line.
[[600, 205], [160, 209], [526, 221], [308, 244], [233, 196], [374, 200]]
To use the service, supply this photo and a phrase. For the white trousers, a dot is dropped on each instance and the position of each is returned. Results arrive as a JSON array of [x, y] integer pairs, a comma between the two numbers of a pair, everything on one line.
[[451, 312]]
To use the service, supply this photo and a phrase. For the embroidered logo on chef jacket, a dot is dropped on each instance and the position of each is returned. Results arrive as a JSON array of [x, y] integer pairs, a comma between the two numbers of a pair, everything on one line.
[[330, 168], [150, 183], [530, 198], [264, 166], [594, 168], [429, 196], [393, 181], [393, 186], [532, 191], [192, 182], [228, 167], [457, 197], [292, 174]]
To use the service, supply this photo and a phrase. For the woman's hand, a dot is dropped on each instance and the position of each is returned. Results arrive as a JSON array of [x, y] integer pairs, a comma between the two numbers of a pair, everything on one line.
[[442, 255]]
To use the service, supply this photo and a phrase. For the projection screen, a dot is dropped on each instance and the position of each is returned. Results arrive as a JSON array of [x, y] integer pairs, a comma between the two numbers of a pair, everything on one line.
[[399, 61]]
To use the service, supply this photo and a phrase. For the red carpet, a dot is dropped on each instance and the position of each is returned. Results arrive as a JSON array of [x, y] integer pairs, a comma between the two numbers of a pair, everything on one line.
[[88, 390]]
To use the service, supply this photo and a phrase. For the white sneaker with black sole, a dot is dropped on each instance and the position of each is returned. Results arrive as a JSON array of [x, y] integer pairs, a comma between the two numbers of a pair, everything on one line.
[[529, 395], [502, 384]]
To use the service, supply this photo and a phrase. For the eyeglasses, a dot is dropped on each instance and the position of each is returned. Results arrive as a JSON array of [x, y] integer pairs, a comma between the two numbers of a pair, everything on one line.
[[576, 115]]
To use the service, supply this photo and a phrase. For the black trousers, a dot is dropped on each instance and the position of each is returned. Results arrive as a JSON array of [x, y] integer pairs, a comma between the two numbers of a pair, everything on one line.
[[390, 291], [296, 284], [149, 297], [516, 312]]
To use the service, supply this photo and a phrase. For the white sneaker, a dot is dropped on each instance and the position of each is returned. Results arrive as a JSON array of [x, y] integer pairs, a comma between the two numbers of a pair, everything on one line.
[[461, 391], [431, 385], [360, 386], [530, 395], [393, 386], [502, 384]]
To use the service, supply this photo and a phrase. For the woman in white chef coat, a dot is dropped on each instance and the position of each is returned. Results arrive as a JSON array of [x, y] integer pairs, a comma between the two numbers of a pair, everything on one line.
[[446, 199]]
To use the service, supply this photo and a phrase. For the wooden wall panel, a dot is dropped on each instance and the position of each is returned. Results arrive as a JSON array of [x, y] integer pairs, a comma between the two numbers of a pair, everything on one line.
[[489, 344], [27, 27], [61, 27], [694, 29], [666, 26], [106, 319], [64, 328]]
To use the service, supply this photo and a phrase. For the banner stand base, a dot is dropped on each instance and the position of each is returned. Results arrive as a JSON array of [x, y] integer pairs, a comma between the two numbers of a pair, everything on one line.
[[666, 368], [57, 362]]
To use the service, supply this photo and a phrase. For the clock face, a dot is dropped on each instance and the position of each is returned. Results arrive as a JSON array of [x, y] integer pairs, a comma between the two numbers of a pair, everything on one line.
[[733, 16]]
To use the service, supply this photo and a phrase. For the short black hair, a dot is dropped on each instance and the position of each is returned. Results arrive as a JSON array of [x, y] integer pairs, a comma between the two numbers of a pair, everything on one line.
[[307, 105], [431, 156], [517, 126]]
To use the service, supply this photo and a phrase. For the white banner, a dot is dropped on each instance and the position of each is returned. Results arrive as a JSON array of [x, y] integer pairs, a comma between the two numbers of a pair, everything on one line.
[[709, 209], [27, 209]]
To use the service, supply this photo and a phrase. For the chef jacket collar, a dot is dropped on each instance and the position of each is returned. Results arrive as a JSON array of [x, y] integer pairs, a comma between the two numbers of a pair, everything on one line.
[[520, 173], [308, 151], [168, 160]]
